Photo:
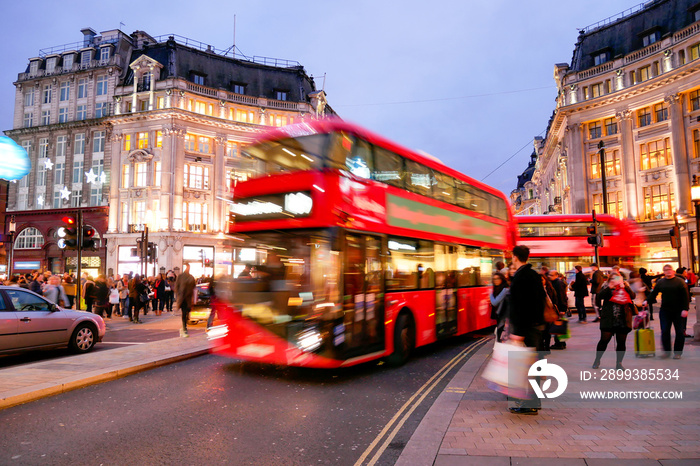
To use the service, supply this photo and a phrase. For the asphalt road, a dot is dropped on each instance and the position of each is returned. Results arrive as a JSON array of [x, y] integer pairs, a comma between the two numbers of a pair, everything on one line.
[[120, 332], [212, 410]]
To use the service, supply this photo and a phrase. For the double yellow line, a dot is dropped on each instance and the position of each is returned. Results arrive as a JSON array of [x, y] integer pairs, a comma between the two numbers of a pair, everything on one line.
[[416, 399]]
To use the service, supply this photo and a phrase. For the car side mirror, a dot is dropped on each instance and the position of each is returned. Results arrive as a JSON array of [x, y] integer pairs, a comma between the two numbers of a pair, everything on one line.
[[53, 307]]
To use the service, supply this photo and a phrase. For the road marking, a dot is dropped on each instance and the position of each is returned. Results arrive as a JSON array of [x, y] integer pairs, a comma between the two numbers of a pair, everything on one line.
[[426, 389]]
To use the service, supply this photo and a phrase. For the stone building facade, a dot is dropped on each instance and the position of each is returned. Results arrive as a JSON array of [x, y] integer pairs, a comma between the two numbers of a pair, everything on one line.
[[151, 136], [633, 89]]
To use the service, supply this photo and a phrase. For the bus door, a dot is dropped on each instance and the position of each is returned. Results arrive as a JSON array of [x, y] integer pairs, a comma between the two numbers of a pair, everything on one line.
[[445, 291], [363, 295]]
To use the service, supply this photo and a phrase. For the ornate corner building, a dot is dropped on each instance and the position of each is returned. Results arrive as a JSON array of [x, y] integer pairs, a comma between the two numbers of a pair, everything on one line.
[[139, 131], [633, 89]]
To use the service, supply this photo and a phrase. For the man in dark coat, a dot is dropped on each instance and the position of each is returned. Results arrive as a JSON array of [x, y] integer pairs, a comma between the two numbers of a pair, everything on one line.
[[527, 296], [580, 289], [184, 291], [674, 310]]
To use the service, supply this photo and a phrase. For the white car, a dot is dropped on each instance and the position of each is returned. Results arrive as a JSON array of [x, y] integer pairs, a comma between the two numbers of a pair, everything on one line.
[[29, 321]]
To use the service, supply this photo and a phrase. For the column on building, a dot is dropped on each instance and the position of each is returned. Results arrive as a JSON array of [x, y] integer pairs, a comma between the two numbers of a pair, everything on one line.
[[177, 183], [578, 183], [219, 183], [114, 212], [173, 139], [680, 155], [629, 167]]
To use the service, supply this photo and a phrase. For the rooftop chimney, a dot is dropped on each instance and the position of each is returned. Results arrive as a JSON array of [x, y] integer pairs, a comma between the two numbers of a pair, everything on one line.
[[88, 36]]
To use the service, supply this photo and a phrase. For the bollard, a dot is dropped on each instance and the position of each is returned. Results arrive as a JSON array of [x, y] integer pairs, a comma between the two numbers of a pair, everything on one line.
[[695, 292]]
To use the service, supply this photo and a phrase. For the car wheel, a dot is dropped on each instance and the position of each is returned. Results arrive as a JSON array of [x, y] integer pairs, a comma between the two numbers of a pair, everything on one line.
[[404, 340], [83, 339]]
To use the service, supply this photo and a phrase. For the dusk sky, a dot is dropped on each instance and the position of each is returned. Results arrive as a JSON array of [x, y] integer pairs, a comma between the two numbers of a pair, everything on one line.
[[468, 82]]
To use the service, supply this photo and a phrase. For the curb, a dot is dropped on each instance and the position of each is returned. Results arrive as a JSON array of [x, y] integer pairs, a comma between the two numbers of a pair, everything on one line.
[[38, 391]]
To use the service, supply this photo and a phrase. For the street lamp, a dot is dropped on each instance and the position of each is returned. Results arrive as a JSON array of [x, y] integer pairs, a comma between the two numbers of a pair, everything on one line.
[[12, 227], [695, 196]]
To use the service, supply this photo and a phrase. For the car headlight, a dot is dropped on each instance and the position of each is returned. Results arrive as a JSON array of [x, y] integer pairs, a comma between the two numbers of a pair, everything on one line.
[[309, 339]]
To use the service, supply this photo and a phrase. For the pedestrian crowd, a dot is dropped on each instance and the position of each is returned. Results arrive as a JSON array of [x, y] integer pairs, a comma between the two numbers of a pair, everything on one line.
[[531, 307]]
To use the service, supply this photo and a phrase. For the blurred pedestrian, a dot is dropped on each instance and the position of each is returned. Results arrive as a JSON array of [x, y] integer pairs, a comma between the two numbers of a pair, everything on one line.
[[561, 303], [54, 292], [159, 291], [526, 317], [674, 310], [597, 280], [169, 290], [499, 302], [184, 290], [580, 288], [138, 297], [646, 279], [616, 313], [89, 293], [101, 297]]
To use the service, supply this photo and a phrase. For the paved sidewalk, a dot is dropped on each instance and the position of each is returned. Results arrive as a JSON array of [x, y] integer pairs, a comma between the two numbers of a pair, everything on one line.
[[29, 382], [470, 424]]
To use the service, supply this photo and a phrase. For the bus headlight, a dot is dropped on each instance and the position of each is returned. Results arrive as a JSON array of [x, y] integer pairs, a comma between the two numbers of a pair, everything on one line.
[[218, 331], [309, 339]]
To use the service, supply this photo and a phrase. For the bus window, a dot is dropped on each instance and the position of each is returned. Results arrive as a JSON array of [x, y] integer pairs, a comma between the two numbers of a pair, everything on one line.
[[445, 266], [411, 264], [498, 208], [388, 167], [444, 188], [419, 178], [468, 266], [301, 153], [360, 161]]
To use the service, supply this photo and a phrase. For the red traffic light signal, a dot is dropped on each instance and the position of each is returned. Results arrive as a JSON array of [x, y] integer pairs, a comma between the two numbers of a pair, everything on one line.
[[591, 230], [68, 220], [68, 234], [88, 234]]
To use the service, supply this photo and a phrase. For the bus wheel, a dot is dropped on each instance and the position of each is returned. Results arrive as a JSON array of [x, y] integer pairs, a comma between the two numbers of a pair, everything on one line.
[[404, 340]]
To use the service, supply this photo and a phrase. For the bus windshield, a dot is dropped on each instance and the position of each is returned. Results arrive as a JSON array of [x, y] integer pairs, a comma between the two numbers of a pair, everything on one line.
[[289, 276], [291, 154]]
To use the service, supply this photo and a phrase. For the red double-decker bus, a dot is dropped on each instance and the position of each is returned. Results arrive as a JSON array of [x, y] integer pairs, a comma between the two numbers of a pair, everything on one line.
[[355, 249], [561, 241]]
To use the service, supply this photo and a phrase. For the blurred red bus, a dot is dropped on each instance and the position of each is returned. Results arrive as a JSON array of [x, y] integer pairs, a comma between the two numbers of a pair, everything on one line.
[[560, 242], [360, 249]]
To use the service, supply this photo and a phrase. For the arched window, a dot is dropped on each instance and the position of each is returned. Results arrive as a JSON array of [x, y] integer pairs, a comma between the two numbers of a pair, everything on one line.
[[29, 238]]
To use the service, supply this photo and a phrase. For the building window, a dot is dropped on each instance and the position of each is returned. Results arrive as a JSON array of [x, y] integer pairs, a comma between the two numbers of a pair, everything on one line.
[[204, 144], [244, 116], [650, 38], [189, 142], [125, 175], [61, 144], [77, 171], [82, 88], [694, 100], [29, 238], [643, 117], [239, 89], [140, 211], [46, 117], [50, 65], [27, 146], [596, 90], [47, 94], [140, 170], [98, 167], [33, 67], [28, 120], [600, 58], [104, 55], [41, 174], [101, 109], [57, 200], [660, 112], [160, 102], [63, 115], [76, 197], [64, 94], [85, 58], [127, 142], [614, 203], [655, 154], [696, 143], [29, 97], [196, 176], [231, 149], [610, 126], [157, 175], [658, 203], [159, 139], [196, 216], [95, 195], [281, 95], [82, 112], [142, 140], [644, 73], [98, 141], [67, 62], [277, 120], [198, 79], [594, 130], [79, 146], [43, 148], [58, 173], [200, 107]]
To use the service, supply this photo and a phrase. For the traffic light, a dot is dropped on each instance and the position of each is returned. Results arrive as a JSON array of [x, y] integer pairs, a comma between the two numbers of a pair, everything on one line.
[[202, 256], [594, 238], [675, 234], [68, 234], [207, 262], [88, 235], [151, 253]]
